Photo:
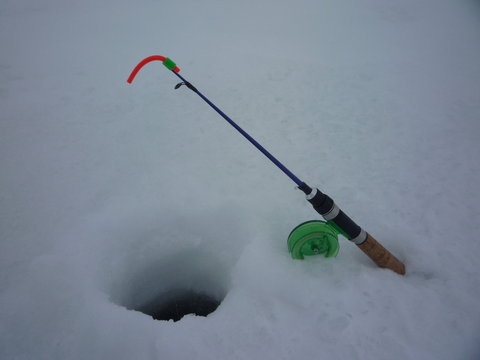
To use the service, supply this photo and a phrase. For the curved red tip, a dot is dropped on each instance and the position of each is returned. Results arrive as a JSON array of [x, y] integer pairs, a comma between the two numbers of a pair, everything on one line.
[[144, 62]]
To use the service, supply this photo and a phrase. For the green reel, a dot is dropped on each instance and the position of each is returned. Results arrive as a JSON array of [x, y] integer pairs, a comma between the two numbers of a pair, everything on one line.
[[313, 237]]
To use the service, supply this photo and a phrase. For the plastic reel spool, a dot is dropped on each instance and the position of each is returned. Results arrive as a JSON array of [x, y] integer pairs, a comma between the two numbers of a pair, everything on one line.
[[313, 238]]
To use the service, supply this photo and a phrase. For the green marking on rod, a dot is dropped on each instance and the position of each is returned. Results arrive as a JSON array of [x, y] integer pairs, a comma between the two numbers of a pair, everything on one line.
[[169, 64]]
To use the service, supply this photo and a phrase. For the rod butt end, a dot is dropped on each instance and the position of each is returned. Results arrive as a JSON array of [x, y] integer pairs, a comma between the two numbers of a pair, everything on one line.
[[381, 256]]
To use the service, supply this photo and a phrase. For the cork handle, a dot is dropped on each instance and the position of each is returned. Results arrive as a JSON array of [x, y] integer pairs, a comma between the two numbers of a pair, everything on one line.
[[381, 256]]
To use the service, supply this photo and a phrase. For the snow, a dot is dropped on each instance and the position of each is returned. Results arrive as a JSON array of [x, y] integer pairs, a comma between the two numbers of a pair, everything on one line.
[[111, 193]]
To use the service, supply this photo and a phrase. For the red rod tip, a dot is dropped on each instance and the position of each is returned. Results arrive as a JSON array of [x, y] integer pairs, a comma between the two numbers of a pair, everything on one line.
[[143, 63]]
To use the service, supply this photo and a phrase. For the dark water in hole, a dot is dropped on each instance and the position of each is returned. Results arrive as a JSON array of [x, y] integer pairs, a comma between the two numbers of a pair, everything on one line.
[[174, 307]]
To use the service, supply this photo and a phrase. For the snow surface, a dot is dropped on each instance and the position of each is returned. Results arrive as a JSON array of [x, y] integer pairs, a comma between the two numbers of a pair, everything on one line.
[[111, 193]]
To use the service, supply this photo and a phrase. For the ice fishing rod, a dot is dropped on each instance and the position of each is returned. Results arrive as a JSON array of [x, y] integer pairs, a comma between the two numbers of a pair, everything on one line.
[[321, 202]]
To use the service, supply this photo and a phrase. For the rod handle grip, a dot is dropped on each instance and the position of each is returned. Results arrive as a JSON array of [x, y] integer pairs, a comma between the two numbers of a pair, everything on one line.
[[381, 256]]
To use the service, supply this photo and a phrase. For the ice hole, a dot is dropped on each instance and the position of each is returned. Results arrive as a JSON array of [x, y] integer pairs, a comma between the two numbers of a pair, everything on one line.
[[180, 303], [170, 288]]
